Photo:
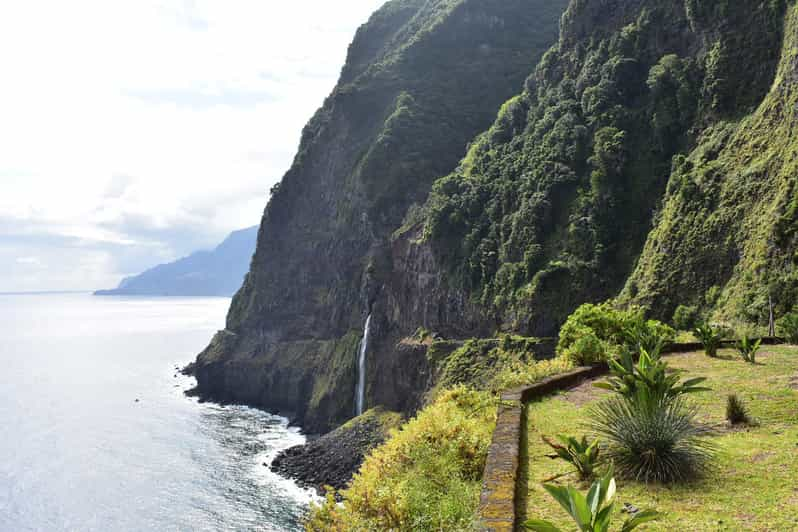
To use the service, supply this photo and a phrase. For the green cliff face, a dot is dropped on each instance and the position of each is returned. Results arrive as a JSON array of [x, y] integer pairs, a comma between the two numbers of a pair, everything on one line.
[[648, 156], [726, 235], [421, 80], [552, 206]]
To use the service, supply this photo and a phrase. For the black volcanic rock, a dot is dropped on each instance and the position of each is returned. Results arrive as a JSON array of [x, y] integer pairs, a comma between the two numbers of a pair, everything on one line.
[[332, 459]]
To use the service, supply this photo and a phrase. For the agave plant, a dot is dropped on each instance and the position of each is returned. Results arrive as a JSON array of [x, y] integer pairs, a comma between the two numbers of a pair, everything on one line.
[[582, 454], [664, 444], [709, 336], [648, 381], [591, 512], [748, 348]]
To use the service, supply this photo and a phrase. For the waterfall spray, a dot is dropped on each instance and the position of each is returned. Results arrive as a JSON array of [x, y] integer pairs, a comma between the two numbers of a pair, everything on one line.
[[360, 394]]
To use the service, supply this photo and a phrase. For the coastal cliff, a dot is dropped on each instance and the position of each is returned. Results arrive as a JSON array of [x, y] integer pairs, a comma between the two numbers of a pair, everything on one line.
[[486, 166], [422, 79]]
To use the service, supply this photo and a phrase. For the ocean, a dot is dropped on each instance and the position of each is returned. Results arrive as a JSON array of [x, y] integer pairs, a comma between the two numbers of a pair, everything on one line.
[[97, 433]]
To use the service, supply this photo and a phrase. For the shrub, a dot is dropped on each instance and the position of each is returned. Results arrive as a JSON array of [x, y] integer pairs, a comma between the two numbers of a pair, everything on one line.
[[647, 383], [491, 364], [663, 444], [684, 317], [710, 337], [425, 477], [649, 335], [593, 333], [591, 512], [603, 321], [582, 454], [587, 350], [748, 348], [788, 327], [519, 373], [736, 412]]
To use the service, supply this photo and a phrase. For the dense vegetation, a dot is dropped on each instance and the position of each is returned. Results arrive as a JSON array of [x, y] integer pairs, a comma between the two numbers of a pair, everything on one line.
[[725, 240], [426, 477], [598, 333], [552, 206]]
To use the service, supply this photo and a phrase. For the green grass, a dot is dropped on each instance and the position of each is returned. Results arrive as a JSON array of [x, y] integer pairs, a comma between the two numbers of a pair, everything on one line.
[[752, 485]]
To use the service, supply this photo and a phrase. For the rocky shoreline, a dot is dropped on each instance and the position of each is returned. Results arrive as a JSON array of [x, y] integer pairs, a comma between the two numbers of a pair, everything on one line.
[[332, 459]]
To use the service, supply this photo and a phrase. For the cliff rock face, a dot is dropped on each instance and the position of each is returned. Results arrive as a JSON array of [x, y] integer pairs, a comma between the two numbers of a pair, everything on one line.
[[727, 237], [552, 206], [422, 78], [676, 115]]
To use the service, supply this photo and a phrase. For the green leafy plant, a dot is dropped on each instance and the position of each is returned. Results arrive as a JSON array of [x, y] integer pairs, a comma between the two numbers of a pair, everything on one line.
[[662, 444], [582, 454], [648, 382], [788, 327], [648, 335], [684, 317], [591, 512], [736, 412], [587, 350], [710, 337], [594, 332], [748, 348]]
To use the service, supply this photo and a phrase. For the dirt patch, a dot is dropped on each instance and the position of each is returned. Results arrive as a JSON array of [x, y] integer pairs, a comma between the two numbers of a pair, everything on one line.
[[582, 394], [761, 457], [764, 355], [794, 382]]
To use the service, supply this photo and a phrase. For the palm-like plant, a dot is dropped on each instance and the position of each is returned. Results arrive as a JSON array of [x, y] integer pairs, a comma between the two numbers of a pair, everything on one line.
[[591, 512], [648, 381], [582, 454], [710, 337], [663, 443], [748, 348]]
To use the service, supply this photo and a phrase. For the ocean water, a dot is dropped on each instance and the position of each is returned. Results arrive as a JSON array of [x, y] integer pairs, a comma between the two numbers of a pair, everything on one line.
[[79, 452]]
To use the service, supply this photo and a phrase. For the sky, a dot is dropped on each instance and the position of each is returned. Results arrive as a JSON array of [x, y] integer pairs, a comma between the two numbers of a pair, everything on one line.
[[133, 132]]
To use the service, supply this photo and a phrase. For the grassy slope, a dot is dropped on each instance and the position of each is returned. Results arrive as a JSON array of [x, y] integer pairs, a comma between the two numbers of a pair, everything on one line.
[[753, 486], [731, 212]]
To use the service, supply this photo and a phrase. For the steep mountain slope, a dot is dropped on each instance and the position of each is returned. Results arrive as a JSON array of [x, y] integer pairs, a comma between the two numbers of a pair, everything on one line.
[[552, 206], [726, 237], [219, 272], [422, 78], [671, 114]]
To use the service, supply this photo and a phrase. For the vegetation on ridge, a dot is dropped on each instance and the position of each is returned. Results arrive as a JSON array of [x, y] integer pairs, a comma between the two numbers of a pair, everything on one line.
[[552, 206]]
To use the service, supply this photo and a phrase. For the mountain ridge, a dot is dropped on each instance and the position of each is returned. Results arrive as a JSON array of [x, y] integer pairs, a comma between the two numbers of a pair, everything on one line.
[[218, 272]]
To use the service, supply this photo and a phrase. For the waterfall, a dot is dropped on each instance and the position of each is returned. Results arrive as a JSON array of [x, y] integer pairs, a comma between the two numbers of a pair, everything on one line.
[[360, 395]]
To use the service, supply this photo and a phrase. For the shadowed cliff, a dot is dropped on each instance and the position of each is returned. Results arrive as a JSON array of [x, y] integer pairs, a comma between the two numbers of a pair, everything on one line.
[[422, 78]]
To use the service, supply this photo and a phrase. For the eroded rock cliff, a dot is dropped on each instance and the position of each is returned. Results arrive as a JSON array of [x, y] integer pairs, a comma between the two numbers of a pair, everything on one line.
[[421, 80]]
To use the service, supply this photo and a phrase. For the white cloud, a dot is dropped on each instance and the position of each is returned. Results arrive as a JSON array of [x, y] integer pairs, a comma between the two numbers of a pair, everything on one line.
[[30, 261], [158, 124]]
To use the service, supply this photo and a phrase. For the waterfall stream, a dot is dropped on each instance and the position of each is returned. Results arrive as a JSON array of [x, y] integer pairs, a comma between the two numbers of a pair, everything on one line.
[[360, 395]]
